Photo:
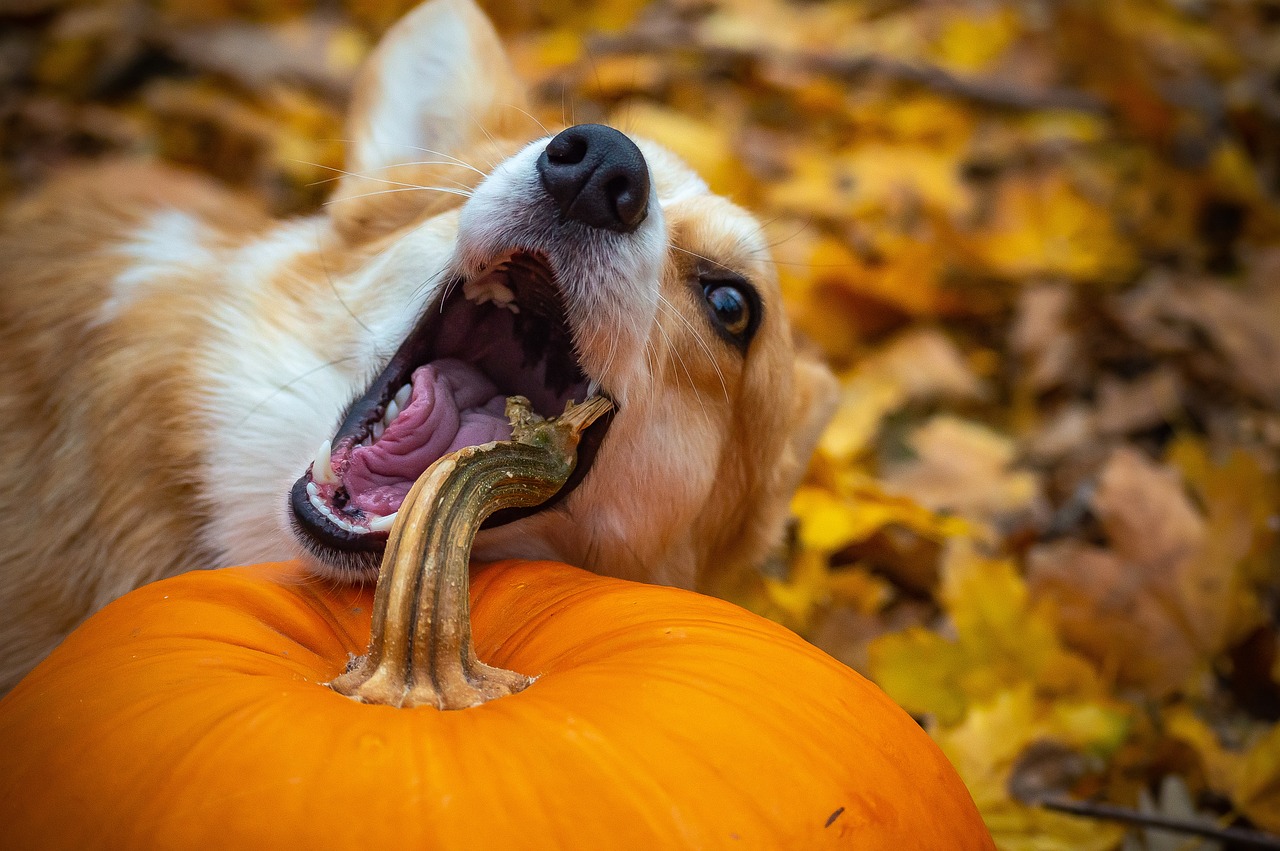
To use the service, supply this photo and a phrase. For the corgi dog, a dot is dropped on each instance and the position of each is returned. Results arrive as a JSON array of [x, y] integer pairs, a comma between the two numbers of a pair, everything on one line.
[[186, 383]]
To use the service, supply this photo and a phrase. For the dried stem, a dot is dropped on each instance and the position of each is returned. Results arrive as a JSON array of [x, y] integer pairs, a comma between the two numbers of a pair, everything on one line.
[[420, 649]]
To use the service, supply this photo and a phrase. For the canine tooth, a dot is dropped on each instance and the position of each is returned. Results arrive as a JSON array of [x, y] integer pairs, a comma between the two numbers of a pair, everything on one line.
[[393, 410], [322, 467], [402, 398], [382, 524]]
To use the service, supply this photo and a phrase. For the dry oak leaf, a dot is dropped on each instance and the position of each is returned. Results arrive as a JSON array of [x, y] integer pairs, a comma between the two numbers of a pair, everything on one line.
[[968, 469], [1164, 597], [1042, 337], [1242, 329], [916, 366], [1108, 612]]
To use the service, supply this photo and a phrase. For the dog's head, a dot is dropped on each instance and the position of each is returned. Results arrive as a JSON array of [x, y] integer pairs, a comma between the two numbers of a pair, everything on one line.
[[580, 261]]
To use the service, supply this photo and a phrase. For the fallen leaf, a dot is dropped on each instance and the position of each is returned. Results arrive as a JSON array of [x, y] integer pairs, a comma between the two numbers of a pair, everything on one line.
[[1151, 400], [1041, 335], [966, 468]]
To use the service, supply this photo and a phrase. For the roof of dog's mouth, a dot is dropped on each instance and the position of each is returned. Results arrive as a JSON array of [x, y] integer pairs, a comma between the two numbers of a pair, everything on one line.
[[504, 332]]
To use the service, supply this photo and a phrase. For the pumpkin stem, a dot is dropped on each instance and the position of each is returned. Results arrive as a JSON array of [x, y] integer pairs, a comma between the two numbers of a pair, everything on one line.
[[420, 650]]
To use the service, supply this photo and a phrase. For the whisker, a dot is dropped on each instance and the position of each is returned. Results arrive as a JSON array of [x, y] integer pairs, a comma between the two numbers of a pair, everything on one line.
[[459, 192], [450, 157], [341, 173], [716, 263], [724, 387], [289, 385], [324, 264], [426, 284], [530, 116], [667, 307], [803, 227], [368, 176], [485, 130]]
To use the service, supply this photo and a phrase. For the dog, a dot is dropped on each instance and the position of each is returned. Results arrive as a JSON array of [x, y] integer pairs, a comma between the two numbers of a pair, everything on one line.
[[186, 383]]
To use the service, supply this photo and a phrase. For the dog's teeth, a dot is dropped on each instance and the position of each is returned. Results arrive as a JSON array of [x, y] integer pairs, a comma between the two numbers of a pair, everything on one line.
[[502, 295], [393, 411], [328, 514], [382, 524], [313, 491], [476, 290], [484, 289], [402, 398], [322, 466], [377, 430]]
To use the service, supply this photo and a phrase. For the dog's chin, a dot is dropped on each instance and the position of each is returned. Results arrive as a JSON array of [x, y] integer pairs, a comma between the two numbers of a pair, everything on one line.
[[503, 332]]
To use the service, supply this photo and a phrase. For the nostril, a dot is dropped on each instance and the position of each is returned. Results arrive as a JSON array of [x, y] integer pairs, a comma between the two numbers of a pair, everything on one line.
[[567, 149], [596, 176], [629, 204]]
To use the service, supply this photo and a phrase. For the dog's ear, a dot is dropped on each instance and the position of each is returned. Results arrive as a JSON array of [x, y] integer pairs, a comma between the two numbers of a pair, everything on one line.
[[433, 95], [816, 394]]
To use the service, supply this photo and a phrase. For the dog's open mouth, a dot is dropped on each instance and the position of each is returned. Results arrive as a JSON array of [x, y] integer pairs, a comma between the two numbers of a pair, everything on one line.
[[500, 334]]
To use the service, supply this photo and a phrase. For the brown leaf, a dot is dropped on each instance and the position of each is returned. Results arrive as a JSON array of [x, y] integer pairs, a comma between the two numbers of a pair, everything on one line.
[[1242, 330], [1147, 607], [1124, 407], [1148, 518], [927, 365], [1247, 339], [1108, 611], [315, 50], [1041, 336], [966, 468]]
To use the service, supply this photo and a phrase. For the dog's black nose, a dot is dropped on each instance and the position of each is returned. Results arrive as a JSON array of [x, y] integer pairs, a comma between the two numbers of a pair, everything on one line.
[[597, 176]]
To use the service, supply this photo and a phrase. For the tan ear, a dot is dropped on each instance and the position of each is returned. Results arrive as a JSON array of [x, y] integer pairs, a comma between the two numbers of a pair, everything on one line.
[[816, 394], [434, 92]]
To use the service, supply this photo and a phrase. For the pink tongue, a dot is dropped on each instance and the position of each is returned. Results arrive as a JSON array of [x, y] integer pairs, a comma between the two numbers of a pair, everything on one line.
[[453, 405]]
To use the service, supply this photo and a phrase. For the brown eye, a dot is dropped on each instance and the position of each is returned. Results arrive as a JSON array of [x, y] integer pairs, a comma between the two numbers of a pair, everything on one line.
[[730, 307]]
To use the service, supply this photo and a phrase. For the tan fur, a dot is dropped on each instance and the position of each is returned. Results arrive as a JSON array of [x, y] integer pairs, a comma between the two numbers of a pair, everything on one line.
[[121, 372], [92, 440]]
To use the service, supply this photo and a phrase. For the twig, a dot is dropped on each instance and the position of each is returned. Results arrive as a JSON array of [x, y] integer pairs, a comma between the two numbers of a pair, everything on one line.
[[987, 92], [1111, 812]]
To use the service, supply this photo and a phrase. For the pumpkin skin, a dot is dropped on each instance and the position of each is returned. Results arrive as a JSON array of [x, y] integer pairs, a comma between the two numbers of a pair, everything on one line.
[[189, 715]]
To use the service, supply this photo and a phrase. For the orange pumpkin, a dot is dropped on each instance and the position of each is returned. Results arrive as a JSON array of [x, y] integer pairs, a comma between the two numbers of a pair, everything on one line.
[[189, 714], [194, 713]]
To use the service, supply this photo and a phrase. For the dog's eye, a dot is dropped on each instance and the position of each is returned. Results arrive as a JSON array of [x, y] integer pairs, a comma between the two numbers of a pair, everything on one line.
[[733, 305], [730, 306]]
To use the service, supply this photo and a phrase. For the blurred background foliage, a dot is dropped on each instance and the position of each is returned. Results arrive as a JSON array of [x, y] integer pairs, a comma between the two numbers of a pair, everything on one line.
[[1037, 240]]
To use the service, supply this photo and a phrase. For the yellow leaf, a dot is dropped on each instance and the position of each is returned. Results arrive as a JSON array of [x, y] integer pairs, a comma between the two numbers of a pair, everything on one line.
[[1048, 227], [921, 671], [994, 733], [857, 588], [970, 42], [865, 400], [1257, 791]]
